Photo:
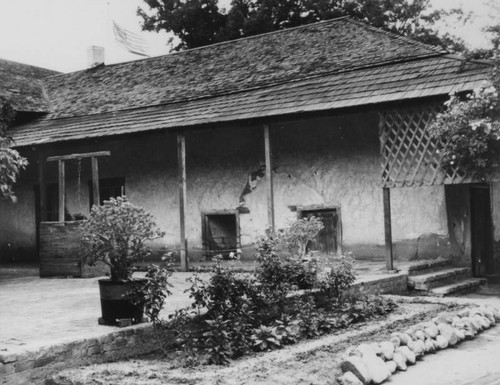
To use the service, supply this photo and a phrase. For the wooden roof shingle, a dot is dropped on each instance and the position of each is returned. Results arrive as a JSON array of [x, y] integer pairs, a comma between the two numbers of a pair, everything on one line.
[[318, 67], [257, 61], [20, 85], [322, 93]]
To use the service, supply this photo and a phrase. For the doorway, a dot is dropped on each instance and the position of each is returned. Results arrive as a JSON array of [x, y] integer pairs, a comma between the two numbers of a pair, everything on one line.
[[328, 240], [221, 234], [481, 231]]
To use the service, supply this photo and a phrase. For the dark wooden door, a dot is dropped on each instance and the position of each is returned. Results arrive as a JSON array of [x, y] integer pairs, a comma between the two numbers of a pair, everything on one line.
[[326, 242], [481, 231]]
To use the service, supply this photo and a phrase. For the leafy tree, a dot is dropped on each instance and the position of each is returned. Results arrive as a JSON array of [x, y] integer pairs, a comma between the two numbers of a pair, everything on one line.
[[11, 163], [469, 129], [201, 22]]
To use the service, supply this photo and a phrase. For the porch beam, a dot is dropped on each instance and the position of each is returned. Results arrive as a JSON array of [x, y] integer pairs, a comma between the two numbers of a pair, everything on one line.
[[269, 176], [62, 190], [95, 181], [389, 260], [181, 164], [78, 156]]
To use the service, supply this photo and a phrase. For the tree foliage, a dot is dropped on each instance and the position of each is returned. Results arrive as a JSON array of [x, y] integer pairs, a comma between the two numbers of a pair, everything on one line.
[[11, 162], [469, 129], [198, 23]]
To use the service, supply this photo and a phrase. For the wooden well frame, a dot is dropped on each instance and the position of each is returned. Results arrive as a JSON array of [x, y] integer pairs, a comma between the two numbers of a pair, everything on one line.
[[61, 244]]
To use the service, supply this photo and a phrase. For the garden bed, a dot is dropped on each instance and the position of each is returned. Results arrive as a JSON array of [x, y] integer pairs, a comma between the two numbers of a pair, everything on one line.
[[313, 361]]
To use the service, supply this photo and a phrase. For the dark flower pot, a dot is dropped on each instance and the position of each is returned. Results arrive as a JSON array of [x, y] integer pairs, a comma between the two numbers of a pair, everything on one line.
[[116, 304]]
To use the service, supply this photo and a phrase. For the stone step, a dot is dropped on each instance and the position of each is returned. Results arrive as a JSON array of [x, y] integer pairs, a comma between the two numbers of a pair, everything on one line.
[[438, 278], [425, 267], [465, 286]]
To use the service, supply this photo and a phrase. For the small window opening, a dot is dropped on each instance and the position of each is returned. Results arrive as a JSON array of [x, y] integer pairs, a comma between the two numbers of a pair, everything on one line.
[[220, 235], [328, 240], [108, 188]]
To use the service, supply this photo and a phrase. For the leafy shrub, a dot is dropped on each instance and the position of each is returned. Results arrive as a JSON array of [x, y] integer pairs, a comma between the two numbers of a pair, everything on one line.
[[358, 309], [288, 328], [117, 232], [233, 314], [308, 317], [225, 292], [266, 338], [217, 346], [336, 278], [152, 293], [299, 234]]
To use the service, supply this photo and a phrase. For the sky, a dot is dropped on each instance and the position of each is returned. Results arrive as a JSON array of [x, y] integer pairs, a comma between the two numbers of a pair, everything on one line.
[[55, 34]]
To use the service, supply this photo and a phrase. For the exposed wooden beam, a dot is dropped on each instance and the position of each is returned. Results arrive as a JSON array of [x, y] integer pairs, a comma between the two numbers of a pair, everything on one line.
[[78, 156], [269, 176], [62, 190], [95, 181], [181, 164], [389, 260]]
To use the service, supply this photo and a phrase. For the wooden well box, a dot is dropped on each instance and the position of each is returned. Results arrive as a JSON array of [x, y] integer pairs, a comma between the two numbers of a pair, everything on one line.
[[61, 251]]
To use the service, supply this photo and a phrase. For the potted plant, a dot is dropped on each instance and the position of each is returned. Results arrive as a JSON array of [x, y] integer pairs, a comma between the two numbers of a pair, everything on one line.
[[117, 233]]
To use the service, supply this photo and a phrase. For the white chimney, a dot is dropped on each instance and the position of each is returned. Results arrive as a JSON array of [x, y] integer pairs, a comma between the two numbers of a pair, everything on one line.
[[95, 56]]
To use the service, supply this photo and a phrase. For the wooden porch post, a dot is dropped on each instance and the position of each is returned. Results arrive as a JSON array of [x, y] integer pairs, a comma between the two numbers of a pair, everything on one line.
[[181, 164], [269, 176], [388, 229], [95, 181], [43, 188], [62, 190]]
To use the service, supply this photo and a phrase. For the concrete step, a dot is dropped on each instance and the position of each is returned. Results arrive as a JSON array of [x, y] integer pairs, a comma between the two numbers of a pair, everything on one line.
[[425, 267], [462, 287], [438, 278]]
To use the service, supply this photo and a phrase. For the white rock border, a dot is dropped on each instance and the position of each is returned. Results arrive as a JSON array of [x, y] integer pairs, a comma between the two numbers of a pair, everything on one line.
[[374, 363]]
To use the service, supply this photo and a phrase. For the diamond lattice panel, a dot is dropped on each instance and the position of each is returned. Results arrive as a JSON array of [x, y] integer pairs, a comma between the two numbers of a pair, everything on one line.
[[409, 156]]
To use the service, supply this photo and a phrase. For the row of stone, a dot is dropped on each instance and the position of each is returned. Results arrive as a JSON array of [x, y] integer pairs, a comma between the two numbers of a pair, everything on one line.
[[376, 362]]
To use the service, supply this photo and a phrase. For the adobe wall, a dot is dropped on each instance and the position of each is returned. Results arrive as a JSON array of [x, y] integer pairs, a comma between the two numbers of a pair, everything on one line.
[[330, 161]]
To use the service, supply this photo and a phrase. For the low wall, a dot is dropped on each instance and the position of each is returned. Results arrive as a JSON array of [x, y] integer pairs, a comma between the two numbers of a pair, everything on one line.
[[33, 367], [387, 284]]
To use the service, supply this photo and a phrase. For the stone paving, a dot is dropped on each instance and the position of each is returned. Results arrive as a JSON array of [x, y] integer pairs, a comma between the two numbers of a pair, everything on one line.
[[37, 312]]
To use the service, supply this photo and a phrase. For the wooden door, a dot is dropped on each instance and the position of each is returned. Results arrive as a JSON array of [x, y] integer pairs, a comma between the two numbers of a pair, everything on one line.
[[327, 240], [481, 231]]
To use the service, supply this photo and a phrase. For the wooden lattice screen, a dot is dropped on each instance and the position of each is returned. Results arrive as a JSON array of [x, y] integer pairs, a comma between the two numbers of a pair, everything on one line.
[[409, 156]]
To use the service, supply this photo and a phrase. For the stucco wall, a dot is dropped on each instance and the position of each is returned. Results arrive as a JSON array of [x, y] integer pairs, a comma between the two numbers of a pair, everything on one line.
[[329, 161]]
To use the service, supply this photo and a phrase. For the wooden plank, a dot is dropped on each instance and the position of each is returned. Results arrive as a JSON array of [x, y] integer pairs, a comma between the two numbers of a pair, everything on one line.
[[269, 176], [62, 190], [181, 164], [95, 181], [388, 229], [78, 156]]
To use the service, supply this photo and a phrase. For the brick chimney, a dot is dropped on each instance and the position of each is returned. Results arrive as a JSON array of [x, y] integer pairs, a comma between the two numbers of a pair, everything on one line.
[[95, 56]]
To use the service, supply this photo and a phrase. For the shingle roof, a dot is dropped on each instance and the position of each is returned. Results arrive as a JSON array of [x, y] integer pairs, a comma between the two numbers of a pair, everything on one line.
[[385, 83], [237, 65], [324, 66], [20, 85]]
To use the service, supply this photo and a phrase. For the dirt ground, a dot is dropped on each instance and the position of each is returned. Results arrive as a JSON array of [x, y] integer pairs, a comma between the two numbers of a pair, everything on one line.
[[311, 362]]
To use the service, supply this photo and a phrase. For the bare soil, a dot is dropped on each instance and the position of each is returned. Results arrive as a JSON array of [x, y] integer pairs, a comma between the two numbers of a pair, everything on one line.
[[309, 362]]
